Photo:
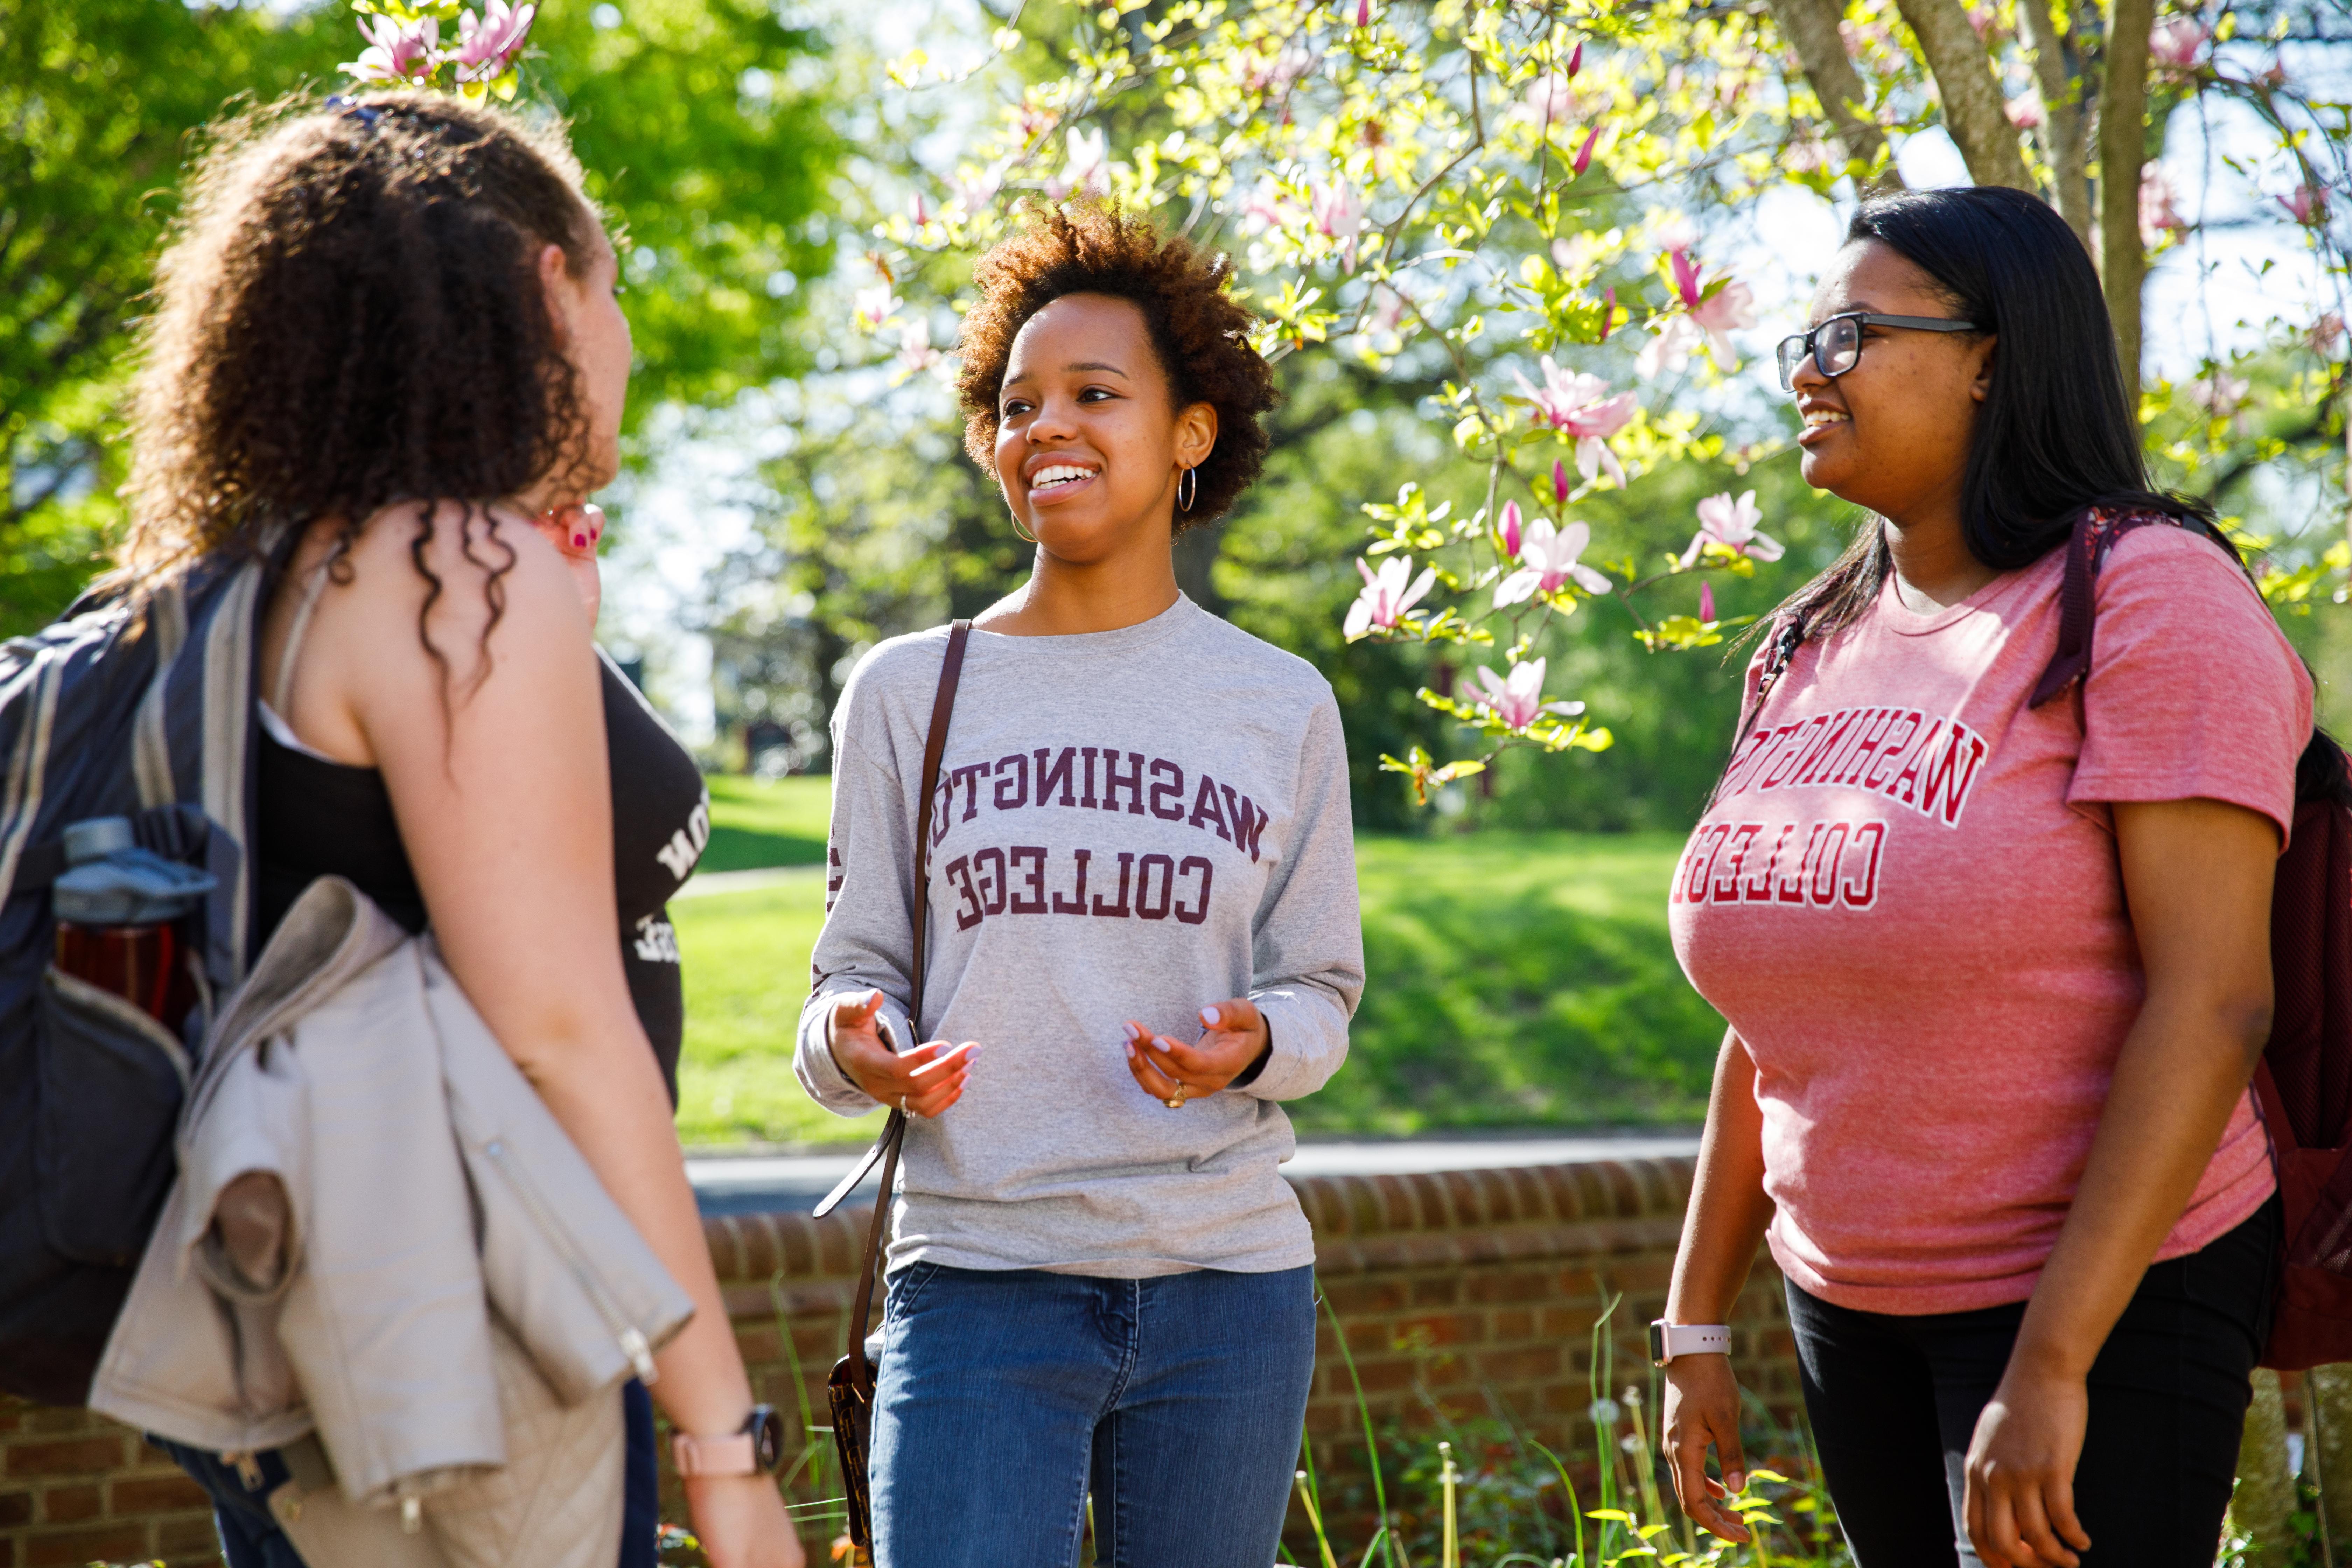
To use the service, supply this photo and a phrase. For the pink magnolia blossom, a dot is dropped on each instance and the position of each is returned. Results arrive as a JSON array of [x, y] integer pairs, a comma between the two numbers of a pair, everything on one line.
[[1707, 602], [1732, 525], [1517, 700], [1388, 305], [2025, 111], [870, 308], [1385, 598], [1670, 349], [1550, 99], [2307, 204], [1576, 59], [1339, 215], [486, 47], [915, 354], [2157, 214], [1511, 529], [1268, 208], [1607, 312], [2326, 333], [2220, 394], [1672, 231], [1583, 158], [919, 211], [1274, 75], [1579, 405], [1559, 486], [1729, 309], [2173, 45], [1549, 562], [396, 52], [1363, 13], [1687, 276]]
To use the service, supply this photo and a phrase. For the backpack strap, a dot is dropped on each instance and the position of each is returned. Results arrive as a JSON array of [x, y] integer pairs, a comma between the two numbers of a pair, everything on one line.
[[2097, 528]]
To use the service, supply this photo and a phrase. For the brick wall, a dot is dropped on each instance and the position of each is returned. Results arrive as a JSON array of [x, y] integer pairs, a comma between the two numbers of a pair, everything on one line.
[[1478, 1289]]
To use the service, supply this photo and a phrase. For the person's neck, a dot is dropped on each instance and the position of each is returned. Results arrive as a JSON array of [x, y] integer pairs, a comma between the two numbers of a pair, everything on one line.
[[1934, 569], [1065, 598]]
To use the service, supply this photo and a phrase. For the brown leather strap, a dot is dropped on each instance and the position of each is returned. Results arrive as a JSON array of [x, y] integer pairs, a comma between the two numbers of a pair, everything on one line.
[[894, 1132]]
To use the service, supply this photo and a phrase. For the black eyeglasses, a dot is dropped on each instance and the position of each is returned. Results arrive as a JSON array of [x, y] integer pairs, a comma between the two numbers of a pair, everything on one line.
[[1836, 344]]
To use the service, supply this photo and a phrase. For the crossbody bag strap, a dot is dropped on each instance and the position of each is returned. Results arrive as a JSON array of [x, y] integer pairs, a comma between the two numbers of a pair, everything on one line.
[[894, 1132]]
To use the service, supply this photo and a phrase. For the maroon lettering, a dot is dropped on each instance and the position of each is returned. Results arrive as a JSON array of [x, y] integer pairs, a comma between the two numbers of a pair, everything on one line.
[[1814, 763], [991, 883], [941, 811], [1860, 893], [1126, 865], [1167, 790], [1866, 747], [1890, 751], [968, 912], [1248, 820], [1132, 783], [1944, 788], [1195, 915], [1076, 906], [1790, 889], [1759, 751], [1698, 859], [1087, 799], [1058, 772], [1034, 904], [1757, 889], [1905, 786], [1017, 796], [1790, 755], [1205, 808], [1823, 888], [1145, 907], [1725, 888], [969, 776]]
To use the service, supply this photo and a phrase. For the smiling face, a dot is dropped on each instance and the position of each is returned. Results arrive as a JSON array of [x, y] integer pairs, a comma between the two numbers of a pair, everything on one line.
[[1892, 434], [1089, 443]]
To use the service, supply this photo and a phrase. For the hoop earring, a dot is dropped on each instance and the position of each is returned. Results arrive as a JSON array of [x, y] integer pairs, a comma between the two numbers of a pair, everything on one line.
[[1026, 537], [1188, 489]]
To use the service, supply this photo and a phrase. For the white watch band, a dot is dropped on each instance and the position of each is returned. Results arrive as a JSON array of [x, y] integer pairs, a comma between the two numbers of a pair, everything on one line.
[[732, 1454], [1668, 1341]]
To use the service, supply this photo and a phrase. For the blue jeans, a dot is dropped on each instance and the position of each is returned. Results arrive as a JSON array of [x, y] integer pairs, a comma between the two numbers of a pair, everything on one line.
[[1006, 1395], [250, 1536]]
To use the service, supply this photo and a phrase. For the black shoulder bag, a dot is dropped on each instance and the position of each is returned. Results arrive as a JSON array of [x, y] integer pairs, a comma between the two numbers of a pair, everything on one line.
[[852, 1384]]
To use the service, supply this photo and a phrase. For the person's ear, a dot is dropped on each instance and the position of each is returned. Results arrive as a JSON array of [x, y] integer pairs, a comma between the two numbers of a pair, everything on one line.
[[1196, 434], [556, 286], [1980, 359]]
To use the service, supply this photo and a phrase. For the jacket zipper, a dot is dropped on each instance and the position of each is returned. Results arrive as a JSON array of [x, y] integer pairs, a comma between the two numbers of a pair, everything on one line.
[[631, 1338]]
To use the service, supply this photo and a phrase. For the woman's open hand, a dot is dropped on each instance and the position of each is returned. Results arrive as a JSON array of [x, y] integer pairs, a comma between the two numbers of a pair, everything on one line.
[[1173, 1073], [2021, 1469], [1703, 1413], [921, 1082]]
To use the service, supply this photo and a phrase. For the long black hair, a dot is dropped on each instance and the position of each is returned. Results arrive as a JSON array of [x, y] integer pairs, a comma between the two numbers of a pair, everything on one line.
[[2056, 432]]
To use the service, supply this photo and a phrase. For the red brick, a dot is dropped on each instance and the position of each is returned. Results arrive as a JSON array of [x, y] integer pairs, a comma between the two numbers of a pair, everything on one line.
[[157, 1494], [16, 1508], [68, 1549], [1444, 1328], [55, 1422], [82, 1456], [1351, 1296], [184, 1538], [1439, 1290], [71, 1505]]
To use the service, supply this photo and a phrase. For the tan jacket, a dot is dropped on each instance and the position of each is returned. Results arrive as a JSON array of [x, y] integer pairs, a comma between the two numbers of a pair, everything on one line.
[[381, 1235]]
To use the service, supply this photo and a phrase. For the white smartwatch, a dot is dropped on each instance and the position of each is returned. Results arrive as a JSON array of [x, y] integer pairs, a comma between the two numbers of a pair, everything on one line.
[[1668, 1341], [751, 1451]]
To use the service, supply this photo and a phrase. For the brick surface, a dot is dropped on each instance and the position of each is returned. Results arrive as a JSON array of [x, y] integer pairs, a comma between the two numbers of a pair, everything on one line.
[[121, 1542], [74, 1456], [156, 1494], [72, 1505]]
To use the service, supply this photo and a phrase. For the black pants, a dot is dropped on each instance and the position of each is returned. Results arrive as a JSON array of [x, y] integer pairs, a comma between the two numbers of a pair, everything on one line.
[[1894, 1400]]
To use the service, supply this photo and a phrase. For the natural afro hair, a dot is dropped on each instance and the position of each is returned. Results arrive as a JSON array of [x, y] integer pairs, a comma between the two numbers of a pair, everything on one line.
[[1199, 333]]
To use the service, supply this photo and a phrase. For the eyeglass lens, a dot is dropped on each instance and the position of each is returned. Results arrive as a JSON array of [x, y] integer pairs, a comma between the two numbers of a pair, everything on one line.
[[1836, 346]]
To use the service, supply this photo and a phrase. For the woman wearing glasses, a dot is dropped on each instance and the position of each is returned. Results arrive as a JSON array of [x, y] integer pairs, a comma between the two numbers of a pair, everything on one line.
[[1996, 972]]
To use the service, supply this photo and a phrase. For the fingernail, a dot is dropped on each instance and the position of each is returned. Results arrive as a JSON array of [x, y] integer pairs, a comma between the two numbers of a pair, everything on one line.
[[1737, 1480], [1130, 1050], [1133, 1033], [1209, 1016]]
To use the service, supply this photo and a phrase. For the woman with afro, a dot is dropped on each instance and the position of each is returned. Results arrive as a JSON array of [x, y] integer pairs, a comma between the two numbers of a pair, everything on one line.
[[1141, 909]]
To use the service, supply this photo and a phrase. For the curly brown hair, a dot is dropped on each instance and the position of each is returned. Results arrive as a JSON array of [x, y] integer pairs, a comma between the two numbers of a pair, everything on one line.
[[1199, 333], [350, 316]]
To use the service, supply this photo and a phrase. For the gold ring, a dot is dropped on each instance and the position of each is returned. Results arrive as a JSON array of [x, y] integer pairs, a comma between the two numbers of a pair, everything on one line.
[[1176, 1100]]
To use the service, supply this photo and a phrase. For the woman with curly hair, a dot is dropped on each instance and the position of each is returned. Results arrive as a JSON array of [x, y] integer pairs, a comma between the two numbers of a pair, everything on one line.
[[386, 358], [1141, 903]]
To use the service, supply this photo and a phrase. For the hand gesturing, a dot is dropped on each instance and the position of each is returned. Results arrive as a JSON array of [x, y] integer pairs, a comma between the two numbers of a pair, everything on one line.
[[1173, 1073], [921, 1082]]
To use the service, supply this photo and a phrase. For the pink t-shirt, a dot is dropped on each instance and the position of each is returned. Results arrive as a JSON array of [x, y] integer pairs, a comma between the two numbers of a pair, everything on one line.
[[1907, 902]]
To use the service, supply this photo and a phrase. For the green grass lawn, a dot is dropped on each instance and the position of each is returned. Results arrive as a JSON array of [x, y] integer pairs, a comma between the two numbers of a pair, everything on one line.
[[1517, 981]]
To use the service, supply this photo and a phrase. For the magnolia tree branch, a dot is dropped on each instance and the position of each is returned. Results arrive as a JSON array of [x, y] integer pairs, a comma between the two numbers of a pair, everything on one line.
[[2064, 123], [2122, 148], [1975, 112], [1812, 28]]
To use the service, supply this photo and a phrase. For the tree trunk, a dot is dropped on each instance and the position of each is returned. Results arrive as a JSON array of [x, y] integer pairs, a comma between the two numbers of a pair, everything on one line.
[[2062, 121], [2123, 149], [2264, 1500], [1812, 28], [1975, 112]]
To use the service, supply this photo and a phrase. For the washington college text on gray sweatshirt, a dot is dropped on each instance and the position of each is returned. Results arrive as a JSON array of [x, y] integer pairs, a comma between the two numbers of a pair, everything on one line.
[[1132, 824]]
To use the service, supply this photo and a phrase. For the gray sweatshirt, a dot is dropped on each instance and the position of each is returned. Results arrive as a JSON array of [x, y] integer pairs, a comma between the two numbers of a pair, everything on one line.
[[1132, 824]]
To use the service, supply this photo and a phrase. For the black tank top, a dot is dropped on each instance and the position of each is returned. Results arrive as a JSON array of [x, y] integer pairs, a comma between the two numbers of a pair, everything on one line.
[[318, 818]]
